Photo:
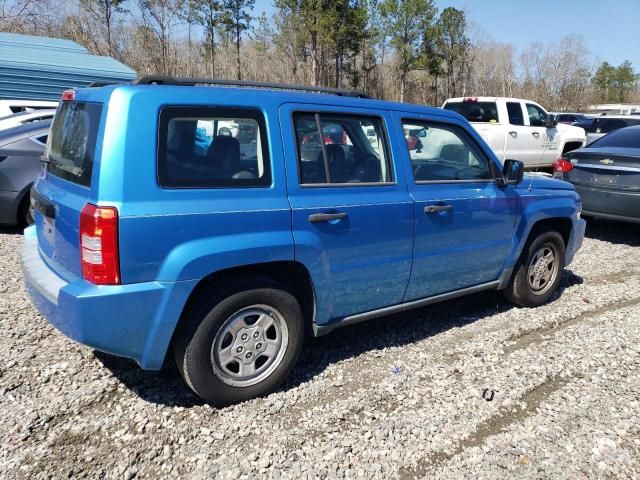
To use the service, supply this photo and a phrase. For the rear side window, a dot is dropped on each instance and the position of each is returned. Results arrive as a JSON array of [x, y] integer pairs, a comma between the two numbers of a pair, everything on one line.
[[339, 149], [211, 147], [73, 141], [623, 138], [515, 113], [485, 112]]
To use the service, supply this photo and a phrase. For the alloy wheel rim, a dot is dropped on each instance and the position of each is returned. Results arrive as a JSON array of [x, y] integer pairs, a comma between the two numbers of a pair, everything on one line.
[[249, 346], [543, 269]]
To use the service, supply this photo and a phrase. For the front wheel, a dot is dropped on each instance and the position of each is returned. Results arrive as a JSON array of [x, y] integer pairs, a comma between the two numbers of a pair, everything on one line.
[[241, 344], [538, 272]]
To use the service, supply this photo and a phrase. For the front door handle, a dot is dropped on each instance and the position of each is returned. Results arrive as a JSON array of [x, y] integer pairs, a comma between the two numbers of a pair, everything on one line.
[[535, 134], [513, 133], [326, 217], [437, 208]]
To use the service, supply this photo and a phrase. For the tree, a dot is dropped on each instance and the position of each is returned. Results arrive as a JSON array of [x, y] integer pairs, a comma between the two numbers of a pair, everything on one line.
[[604, 79], [290, 39], [624, 79], [452, 45], [263, 34], [343, 28], [308, 18], [105, 11], [209, 14], [189, 13], [405, 23], [160, 16], [237, 20], [557, 74]]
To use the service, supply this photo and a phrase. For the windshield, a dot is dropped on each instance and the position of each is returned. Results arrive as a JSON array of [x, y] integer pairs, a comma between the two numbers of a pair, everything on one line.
[[73, 140]]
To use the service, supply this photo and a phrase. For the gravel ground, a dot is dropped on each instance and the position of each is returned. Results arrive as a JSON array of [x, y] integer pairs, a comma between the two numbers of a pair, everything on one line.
[[397, 397]]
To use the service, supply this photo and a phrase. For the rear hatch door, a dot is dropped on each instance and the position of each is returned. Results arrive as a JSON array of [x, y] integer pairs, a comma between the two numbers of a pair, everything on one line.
[[64, 186]]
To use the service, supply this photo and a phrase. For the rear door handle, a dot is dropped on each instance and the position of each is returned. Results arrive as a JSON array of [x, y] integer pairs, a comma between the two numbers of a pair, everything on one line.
[[535, 134], [437, 208], [326, 217]]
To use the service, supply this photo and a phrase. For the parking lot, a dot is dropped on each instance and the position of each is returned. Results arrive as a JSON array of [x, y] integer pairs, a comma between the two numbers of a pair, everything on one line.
[[404, 396]]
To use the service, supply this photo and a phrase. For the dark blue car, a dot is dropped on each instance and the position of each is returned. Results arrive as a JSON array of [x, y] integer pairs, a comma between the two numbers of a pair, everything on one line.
[[149, 245]]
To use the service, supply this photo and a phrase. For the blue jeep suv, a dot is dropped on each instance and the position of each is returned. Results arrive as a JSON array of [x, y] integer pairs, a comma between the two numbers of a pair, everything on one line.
[[220, 224]]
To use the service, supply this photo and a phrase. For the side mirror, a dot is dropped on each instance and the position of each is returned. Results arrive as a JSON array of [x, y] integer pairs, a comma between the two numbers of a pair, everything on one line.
[[551, 121], [513, 172]]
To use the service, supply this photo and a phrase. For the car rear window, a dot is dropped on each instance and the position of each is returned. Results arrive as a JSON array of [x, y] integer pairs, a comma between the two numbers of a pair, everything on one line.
[[623, 138], [73, 141], [473, 111]]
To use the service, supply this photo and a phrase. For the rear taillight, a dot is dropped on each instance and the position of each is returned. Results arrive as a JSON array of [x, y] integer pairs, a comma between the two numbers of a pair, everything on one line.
[[68, 95], [99, 245], [562, 165]]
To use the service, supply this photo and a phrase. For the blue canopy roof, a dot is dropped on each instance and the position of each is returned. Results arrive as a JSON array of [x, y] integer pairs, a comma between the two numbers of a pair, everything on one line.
[[42, 68]]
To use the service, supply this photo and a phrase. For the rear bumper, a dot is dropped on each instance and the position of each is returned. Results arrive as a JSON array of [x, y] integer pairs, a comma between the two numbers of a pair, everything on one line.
[[135, 321], [613, 204]]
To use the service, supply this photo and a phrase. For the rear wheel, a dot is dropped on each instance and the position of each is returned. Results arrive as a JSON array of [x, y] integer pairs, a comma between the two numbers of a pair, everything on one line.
[[241, 343], [538, 272]]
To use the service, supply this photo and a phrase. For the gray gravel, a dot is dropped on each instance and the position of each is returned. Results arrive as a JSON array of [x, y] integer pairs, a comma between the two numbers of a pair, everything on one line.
[[397, 397]]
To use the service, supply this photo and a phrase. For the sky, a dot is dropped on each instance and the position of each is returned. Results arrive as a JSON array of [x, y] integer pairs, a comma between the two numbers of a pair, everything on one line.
[[610, 28]]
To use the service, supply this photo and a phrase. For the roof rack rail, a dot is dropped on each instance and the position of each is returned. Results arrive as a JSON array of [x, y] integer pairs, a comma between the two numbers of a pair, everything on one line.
[[101, 83], [168, 80]]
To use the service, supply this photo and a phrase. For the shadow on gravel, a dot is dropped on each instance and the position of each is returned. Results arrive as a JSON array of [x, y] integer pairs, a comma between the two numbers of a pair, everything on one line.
[[614, 232], [5, 230], [167, 388]]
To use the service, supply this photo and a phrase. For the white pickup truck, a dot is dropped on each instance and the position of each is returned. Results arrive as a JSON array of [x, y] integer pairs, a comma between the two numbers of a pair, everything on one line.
[[518, 129]]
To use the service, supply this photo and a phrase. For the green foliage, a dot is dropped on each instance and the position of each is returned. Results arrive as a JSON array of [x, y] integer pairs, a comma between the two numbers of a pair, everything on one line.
[[262, 33], [405, 23], [614, 83]]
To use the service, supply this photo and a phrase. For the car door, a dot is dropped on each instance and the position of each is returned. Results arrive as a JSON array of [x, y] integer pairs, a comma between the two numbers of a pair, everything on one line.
[[519, 145], [544, 141], [352, 216], [465, 222]]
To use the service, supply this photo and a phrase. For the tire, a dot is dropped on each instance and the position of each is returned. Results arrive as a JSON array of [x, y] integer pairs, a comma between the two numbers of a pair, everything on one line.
[[535, 280], [252, 324]]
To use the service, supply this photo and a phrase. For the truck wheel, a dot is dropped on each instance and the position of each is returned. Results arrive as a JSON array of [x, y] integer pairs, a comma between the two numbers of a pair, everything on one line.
[[538, 272], [241, 343]]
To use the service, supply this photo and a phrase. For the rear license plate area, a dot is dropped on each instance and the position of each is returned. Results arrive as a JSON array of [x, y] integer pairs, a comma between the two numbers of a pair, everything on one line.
[[600, 179]]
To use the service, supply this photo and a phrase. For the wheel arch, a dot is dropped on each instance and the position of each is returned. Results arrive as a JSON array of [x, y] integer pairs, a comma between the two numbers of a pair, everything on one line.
[[292, 275]]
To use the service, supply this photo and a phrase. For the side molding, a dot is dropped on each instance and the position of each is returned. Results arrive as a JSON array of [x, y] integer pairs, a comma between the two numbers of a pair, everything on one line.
[[319, 330]]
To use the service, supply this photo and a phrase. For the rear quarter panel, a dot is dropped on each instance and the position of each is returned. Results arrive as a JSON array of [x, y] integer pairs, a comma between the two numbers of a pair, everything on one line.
[[183, 234]]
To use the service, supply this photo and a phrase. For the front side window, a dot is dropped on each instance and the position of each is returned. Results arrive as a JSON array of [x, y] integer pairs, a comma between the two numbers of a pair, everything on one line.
[[515, 113], [337, 149], [537, 116], [209, 147], [445, 153]]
